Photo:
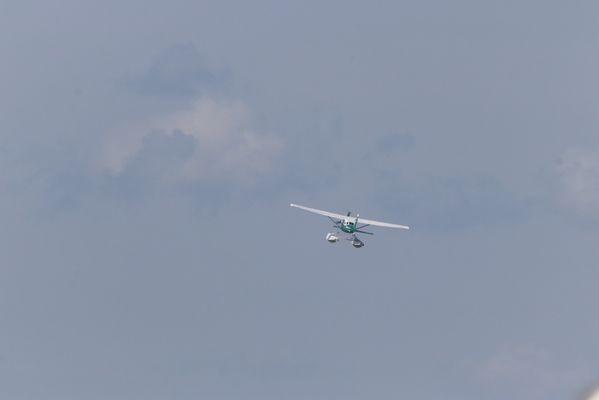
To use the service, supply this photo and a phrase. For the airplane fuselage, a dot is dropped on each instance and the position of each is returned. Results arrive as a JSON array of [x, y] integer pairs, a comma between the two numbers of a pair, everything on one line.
[[349, 226]]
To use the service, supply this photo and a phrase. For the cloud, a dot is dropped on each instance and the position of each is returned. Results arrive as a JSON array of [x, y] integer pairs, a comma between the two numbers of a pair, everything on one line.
[[594, 395], [532, 372], [578, 177], [449, 203], [179, 70], [390, 143], [210, 140]]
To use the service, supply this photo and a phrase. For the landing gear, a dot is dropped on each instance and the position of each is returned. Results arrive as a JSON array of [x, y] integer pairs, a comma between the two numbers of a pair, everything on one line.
[[357, 243], [332, 238]]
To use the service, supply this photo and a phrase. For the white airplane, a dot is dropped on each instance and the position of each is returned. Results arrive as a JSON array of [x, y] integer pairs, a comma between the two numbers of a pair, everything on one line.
[[346, 224]]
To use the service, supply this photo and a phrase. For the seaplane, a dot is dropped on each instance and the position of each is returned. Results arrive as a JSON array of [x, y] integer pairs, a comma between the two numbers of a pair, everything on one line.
[[348, 225]]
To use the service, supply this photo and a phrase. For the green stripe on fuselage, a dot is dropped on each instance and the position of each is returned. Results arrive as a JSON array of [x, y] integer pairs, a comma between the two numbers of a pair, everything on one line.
[[348, 227]]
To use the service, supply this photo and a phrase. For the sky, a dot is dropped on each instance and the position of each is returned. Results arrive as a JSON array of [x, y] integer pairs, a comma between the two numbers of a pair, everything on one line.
[[149, 152]]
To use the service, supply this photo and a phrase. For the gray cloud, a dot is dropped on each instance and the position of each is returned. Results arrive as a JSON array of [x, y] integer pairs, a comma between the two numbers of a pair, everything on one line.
[[578, 178], [592, 395], [452, 203], [395, 142], [158, 162], [222, 144], [179, 71], [533, 373]]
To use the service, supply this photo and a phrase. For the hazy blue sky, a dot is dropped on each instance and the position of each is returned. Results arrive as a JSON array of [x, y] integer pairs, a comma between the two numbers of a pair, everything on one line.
[[149, 151]]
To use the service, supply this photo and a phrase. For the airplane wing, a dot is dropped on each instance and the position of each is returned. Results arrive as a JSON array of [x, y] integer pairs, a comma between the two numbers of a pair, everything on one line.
[[342, 217], [320, 212], [383, 224]]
